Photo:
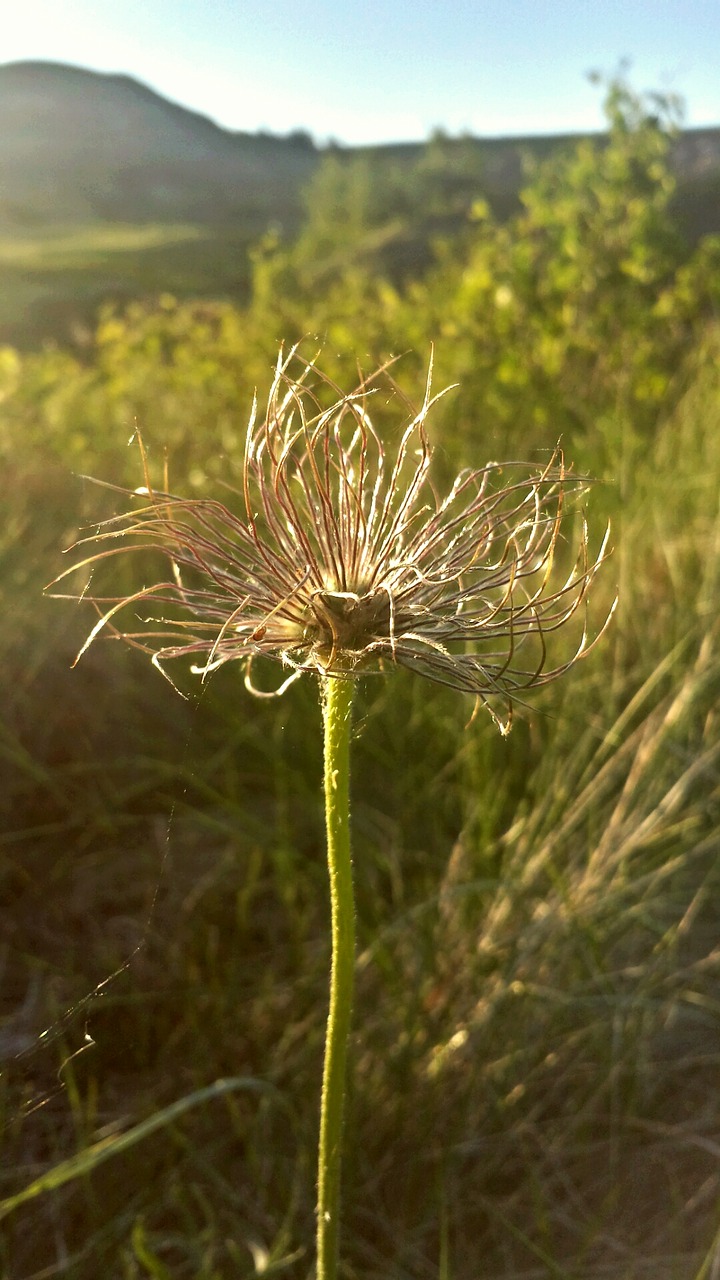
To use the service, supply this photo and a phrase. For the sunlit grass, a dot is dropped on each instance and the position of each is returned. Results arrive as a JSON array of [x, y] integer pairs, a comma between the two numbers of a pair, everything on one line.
[[85, 246], [54, 283], [532, 1039]]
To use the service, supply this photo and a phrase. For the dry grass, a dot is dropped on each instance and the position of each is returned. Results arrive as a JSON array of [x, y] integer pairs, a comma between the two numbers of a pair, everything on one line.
[[538, 1028]]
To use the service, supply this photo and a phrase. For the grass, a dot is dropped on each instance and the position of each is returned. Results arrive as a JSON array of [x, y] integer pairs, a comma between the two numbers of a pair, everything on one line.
[[52, 283], [87, 246], [537, 1040]]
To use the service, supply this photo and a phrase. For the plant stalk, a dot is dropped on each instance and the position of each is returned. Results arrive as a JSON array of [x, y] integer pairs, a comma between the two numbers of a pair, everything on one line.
[[337, 716]]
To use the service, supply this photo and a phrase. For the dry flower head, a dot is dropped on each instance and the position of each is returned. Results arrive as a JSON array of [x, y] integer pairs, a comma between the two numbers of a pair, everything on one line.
[[344, 559]]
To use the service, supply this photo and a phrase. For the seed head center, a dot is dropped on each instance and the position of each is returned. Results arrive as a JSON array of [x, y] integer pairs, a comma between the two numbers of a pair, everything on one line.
[[349, 621]]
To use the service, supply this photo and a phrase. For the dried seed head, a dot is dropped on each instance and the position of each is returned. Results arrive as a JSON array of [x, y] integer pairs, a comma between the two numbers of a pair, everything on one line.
[[345, 561]]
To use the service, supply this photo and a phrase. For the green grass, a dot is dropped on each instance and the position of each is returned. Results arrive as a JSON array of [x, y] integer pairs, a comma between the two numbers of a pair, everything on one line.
[[53, 282], [537, 1025], [88, 246]]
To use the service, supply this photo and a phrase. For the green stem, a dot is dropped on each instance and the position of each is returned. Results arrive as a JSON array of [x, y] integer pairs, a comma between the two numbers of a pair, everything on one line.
[[337, 709]]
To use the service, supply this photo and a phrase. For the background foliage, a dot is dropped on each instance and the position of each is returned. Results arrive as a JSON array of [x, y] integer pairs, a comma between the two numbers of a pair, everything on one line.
[[537, 1026]]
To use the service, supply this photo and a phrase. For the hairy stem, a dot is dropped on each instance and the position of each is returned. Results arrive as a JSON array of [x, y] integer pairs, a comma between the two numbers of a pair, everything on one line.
[[337, 710]]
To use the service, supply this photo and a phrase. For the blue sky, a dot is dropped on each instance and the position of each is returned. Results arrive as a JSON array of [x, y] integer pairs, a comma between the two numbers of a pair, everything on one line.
[[371, 71]]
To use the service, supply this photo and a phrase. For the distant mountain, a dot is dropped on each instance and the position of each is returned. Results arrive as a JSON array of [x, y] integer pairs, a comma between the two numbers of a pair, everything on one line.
[[76, 146], [109, 192]]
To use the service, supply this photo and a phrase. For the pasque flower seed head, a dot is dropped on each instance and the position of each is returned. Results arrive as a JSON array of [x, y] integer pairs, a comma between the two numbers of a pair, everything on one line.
[[344, 560]]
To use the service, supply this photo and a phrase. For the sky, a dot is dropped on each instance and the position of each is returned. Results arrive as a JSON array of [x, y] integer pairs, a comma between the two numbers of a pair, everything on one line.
[[371, 71]]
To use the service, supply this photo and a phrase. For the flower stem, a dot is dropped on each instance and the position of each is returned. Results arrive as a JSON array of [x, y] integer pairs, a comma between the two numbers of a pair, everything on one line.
[[337, 709]]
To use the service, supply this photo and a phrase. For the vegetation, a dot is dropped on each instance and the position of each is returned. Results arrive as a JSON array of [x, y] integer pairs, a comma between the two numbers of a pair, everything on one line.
[[537, 1031]]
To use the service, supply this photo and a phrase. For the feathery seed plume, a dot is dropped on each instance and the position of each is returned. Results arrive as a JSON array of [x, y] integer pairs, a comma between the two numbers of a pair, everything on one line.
[[345, 561]]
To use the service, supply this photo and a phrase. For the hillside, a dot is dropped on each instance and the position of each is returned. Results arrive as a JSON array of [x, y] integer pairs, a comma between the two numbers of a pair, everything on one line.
[[109, 191], [76, 146]]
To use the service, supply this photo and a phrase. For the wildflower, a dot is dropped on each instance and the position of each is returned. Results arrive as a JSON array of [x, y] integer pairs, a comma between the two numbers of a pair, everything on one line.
[[346, 561]]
